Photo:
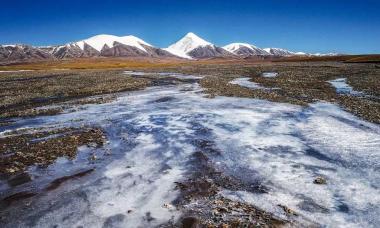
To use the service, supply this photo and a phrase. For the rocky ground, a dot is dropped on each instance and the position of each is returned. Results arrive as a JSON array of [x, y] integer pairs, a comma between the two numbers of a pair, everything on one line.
[[297, 83], [306, 83], [23, 92], [19, 150]]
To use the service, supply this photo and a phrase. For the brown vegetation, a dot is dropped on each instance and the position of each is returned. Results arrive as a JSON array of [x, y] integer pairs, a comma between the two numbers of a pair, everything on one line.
[[339, 58], [21, 92], [19, 151]]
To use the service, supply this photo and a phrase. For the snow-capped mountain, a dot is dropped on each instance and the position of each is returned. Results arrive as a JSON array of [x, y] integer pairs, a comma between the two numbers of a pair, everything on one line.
[[109, 46], [279, 52], [71, 51], [244, 49], [192, 46], [100, 45], [100, 41]]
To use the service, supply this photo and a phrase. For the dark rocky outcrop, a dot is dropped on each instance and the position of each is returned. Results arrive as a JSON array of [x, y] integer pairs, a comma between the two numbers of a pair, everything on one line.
[[122, 50], [157, 52], [12, 53], [209, 51]]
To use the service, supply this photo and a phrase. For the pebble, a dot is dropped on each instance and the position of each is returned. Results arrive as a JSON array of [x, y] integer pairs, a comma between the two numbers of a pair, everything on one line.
[[320, 180]]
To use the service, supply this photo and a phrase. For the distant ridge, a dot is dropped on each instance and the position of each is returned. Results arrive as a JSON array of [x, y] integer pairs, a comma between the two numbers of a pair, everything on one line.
[[191, 46], [244, 49]]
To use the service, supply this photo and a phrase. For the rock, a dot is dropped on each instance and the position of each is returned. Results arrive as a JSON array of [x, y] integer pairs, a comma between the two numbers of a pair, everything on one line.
[[11, 170], [210, 96], [320, 180], [287, 210], [93, 157], [189, 222], [168, 206]]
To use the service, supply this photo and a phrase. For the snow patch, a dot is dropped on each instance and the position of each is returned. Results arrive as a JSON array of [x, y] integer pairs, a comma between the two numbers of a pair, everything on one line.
[[269, 74], [342, 87], [246, 82]]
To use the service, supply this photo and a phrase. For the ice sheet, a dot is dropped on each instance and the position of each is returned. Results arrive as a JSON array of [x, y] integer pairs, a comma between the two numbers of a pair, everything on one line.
[[281, 146]]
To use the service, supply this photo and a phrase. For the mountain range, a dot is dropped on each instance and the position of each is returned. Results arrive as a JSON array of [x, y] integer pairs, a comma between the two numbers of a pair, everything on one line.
[[190, 46]]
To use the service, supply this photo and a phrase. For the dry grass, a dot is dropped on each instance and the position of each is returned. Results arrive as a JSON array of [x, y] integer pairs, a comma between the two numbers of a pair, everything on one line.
[[92, 63], [340, 58], [115, 63], [365, 59]]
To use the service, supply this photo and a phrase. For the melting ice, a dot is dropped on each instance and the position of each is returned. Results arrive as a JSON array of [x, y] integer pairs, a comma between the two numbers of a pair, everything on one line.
[[283, 146], [342, 87], [269, 74], [245, 82]]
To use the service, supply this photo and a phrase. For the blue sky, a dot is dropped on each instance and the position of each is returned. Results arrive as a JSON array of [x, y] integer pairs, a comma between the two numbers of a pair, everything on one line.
[[307, 25]]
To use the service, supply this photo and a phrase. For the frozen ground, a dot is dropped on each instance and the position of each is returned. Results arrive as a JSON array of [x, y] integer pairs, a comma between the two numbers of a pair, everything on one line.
[[342, 87], [163, 74], [151, 138], [245, 82], [269, 74]]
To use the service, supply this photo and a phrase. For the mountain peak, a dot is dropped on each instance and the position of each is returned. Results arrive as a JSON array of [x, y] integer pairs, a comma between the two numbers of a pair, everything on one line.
[[101, 40], [192, 35], [196, 39], [189, 42], [186, 44]]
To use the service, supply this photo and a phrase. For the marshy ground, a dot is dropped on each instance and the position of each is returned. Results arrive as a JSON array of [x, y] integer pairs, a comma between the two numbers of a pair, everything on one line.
[[180, 145]]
